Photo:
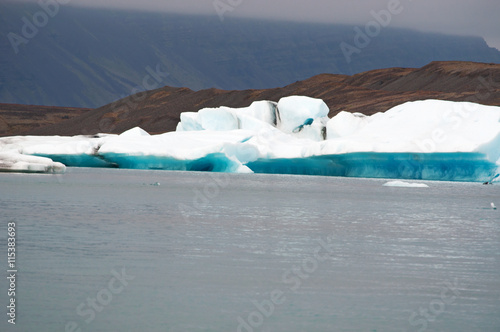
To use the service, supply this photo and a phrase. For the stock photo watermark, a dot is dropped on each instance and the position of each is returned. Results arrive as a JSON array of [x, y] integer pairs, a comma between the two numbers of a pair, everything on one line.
[[202, 197], [484, 84], [11, 272], [422, 318], [293, 278], [31, 27], [484, 88], [224, 6], [88, 309], [363, 37], [451, 120]]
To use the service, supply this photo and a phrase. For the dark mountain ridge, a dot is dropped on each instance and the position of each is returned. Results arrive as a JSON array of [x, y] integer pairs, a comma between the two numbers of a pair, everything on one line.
[[90, 57]]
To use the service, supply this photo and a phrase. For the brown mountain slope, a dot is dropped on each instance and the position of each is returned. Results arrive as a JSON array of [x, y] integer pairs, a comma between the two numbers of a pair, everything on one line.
[[452, 76], [16, 119], [158, 111]]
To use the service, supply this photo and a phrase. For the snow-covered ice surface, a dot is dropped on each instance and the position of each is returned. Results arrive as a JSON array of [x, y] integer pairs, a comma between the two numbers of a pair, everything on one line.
[[428, 140]]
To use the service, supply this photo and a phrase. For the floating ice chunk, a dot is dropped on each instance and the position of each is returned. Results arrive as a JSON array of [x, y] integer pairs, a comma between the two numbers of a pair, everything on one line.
[[16, 162], [71, 151], [258, 115], [297, 111], [430, 140], [405, 184]]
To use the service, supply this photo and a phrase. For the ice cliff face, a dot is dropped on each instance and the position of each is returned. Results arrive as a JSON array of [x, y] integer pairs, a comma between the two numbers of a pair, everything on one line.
[[430, 140]]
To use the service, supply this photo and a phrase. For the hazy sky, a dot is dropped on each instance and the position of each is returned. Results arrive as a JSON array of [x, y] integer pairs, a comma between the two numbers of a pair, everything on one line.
[[462, 17]]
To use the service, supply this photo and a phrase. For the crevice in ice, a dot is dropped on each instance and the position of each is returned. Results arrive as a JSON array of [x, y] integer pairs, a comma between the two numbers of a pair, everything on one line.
[[277, 116], [323, 133], [308, 122], [103, 158]]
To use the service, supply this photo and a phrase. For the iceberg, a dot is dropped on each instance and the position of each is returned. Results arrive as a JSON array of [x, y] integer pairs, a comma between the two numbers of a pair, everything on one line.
[[421, 140]]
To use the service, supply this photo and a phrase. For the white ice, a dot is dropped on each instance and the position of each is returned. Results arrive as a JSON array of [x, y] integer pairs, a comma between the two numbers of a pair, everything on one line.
[[295, 128], [16, 162], [405, 184]]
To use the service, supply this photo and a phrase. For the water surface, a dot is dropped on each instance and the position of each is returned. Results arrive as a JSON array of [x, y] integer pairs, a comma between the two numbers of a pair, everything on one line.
[[236, 252]]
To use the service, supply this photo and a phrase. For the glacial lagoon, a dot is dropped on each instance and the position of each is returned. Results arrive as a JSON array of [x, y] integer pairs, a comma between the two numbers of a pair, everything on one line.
[[135, 250]]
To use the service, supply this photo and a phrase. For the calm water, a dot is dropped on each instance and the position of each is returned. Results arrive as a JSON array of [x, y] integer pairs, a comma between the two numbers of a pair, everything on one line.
[[118, 250]]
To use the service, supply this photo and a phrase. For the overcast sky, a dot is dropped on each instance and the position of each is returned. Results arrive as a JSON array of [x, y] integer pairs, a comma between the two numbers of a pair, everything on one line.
[[461, 17]]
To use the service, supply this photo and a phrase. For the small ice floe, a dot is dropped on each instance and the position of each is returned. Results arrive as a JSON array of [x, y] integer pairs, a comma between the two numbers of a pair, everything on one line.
[[13, 161], [156, 184], [405, 184], [493, 206]]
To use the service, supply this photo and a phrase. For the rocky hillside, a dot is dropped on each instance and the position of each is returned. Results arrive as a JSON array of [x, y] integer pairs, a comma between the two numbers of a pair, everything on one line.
[[16, 119], [158, 111]]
